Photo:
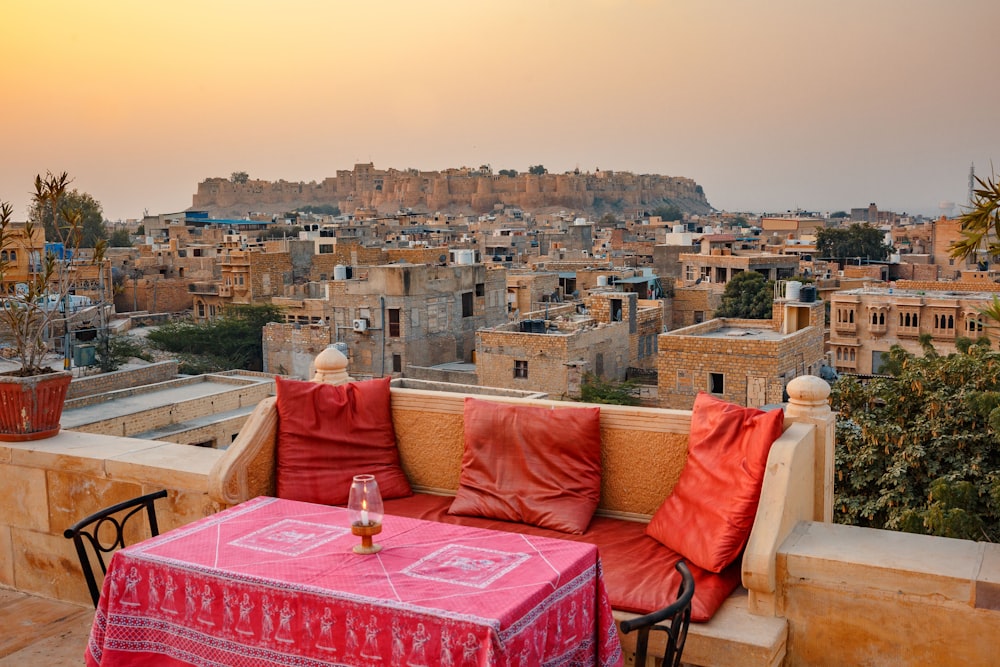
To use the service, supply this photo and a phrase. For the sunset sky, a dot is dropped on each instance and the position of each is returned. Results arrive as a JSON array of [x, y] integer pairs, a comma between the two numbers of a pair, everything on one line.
[[770, 105]]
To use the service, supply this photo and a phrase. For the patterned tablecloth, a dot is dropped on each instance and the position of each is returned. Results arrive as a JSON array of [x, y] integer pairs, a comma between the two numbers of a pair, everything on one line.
[[275, 582]]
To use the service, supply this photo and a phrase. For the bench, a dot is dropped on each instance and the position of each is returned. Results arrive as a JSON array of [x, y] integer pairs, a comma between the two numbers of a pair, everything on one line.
[[643, 452]]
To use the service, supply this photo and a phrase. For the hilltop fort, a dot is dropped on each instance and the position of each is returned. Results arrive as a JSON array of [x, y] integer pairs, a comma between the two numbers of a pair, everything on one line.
[[462, 190]]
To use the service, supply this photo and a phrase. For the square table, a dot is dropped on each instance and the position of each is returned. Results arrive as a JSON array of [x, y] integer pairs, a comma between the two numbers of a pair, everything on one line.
[[276, 582]]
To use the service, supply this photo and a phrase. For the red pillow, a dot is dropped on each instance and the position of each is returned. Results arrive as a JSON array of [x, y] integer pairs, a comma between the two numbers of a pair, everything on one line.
[[534, 465], [708, 517], [329, 433]]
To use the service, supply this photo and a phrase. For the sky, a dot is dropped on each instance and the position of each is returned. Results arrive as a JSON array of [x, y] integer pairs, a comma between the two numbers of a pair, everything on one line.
[[770, 105]]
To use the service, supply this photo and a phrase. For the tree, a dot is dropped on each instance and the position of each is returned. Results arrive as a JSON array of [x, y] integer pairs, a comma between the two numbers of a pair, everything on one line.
[[234, 339], [837, 215], [981, 231], [749, 295], [120, 239], [668, 213], [921, 452], [319, 209], [594, 389], [44, 278], [87, 234], [537, 170], [280, 232], [860, 240], [512, 173], [240, 177]]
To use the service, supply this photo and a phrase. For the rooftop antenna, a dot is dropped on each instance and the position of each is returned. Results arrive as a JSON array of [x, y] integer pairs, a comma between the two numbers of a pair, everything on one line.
[[972, 181]]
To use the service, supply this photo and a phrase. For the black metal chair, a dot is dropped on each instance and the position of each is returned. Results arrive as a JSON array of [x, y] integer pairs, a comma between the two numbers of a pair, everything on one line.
[[679, 616], [89, 531]]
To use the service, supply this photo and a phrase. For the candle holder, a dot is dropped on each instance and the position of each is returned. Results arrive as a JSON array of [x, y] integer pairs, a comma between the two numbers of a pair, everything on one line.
[[364, 504]]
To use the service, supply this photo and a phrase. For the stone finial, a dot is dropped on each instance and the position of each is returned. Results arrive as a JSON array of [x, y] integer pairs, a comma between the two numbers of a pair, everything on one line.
[[331, 366], [808, 394]]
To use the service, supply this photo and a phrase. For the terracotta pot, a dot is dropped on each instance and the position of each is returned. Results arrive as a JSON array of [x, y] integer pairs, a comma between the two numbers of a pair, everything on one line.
[[30, 407]]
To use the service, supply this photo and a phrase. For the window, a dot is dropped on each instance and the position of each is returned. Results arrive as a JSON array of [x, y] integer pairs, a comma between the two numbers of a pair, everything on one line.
[[325, 248], [716, 383], [699, 316], [201, 309], [397, 363], [616, 310], [394, 322], [466, 304], [480, 289], [520, 369]]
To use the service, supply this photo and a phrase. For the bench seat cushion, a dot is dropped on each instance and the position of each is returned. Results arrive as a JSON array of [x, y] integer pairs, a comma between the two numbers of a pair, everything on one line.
[[639, 572]]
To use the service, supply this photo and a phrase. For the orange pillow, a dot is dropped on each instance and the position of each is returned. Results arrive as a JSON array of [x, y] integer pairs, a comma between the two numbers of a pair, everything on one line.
[[534, 465], [329, 433], [708, 517]]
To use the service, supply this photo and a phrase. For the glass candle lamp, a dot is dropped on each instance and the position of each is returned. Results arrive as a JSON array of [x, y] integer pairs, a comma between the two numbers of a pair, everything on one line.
[[364, 505]]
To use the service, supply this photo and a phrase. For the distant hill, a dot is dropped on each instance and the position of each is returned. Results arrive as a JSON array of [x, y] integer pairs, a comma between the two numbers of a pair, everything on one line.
[[454, 191]]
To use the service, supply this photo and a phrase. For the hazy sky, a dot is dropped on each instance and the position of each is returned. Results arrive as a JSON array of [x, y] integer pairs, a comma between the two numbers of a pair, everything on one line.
[[768, 104]]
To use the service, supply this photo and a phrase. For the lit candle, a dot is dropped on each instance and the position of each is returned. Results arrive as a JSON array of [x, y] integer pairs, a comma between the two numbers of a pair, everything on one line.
[[364, 511]]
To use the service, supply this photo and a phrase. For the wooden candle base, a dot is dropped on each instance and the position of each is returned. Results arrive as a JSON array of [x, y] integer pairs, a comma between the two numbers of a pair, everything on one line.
[[366, 533]]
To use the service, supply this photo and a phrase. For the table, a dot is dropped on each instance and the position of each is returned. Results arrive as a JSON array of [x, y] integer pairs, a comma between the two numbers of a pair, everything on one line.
[[275, 582]]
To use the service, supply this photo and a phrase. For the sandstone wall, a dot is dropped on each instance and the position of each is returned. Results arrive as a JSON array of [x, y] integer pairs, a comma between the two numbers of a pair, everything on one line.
[[389, 190]]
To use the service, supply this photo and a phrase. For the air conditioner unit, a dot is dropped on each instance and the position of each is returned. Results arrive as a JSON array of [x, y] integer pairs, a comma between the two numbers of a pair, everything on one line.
[[360, 325]]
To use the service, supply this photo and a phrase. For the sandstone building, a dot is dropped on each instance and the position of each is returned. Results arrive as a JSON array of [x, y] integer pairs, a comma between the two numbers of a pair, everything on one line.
[[475, 190], [866, 322], [390, 316], [744, 361]]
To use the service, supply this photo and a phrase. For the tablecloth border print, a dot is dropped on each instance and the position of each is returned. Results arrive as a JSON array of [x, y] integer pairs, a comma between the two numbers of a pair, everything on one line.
[[585, 577], [137, 629]]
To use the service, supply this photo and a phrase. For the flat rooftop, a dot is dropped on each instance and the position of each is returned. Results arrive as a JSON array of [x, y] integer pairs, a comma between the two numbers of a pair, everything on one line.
[[743, 333], [934, 294]]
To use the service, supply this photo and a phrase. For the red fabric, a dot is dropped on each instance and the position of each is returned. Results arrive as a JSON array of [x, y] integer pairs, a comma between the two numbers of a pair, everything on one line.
[[273, 581], [639, 572], [708, 517], [329, 433], [535, 465]]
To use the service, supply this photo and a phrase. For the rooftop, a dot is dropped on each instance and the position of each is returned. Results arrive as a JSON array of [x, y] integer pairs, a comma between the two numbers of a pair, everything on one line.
[[752, 333]]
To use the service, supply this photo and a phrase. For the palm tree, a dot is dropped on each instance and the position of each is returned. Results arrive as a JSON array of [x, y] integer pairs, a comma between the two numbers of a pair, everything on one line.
[[981, 229]]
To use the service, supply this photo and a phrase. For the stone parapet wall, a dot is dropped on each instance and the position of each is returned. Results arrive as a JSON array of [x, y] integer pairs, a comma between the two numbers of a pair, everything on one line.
[[90, 385], [50, 484], [949, 286]]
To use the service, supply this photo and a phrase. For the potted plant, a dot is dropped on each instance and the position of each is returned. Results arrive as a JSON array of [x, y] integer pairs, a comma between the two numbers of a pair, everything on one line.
[[36, 284]]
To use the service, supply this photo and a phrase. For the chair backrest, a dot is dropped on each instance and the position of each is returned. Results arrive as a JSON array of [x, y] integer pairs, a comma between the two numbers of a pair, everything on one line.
[[673, 620], [104, 532]]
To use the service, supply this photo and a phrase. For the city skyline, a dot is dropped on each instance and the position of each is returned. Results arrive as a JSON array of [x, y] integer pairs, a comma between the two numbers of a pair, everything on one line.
[[769, 106]]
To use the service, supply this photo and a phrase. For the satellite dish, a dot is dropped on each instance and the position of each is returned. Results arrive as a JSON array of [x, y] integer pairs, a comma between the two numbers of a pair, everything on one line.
[[443, 259]]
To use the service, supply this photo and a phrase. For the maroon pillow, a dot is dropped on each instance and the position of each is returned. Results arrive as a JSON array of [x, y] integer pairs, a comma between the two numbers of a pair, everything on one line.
[[329, 433], [708, 517], [535, 465]]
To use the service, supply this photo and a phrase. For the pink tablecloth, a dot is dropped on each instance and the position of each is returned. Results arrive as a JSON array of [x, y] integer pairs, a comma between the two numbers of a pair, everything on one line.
[[275, 582]]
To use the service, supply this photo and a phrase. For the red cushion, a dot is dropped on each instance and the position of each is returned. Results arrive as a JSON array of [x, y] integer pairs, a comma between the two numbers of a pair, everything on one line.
[[639, 572], [708, 517], [329, 433], [536, 465]]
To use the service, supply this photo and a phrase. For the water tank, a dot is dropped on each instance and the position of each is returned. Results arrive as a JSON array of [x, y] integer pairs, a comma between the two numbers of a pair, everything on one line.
[[533, 326], [465, 256], [808, 294], [793, 290], [602, 281], [340, 272], [678, 229]]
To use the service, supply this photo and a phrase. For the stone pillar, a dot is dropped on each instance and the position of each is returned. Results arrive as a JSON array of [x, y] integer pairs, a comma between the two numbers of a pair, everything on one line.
[[808, 403], [331, 367]]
